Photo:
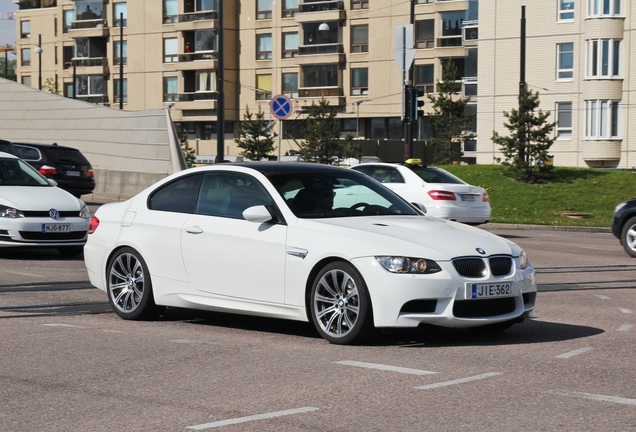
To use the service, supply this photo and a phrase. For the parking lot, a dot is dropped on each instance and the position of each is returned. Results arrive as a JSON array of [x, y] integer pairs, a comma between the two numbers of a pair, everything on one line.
[[69, 363]]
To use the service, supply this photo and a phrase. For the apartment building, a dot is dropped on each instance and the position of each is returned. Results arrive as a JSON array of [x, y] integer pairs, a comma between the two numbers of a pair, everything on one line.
[[165, 53]]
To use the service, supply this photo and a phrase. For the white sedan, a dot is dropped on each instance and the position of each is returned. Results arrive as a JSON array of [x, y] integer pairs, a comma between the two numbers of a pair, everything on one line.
[[304, 242], [443, 194], [35, 213]]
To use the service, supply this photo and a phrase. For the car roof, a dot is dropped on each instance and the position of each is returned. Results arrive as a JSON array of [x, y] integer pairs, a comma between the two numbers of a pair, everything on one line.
[[8, 155], [267, 168], [44, 146]]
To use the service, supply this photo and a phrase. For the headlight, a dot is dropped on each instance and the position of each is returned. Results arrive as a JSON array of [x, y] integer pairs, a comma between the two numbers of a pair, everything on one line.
[[398, 264], [620, 206], [10, 212], [523, 260], [84, 211]]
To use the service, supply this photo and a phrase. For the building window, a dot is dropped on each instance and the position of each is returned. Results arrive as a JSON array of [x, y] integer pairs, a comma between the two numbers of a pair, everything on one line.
[[263, 9], [69, 17], [204, 5], [120, 9], [264, 46], [564, 120], [290, 84], [602, 119], [425, 78], [26, 80], [170, 89], [565, 61], [359, 81], [25, 56], [170, 11], [170, 50], [68, 52], [263, 87], [451, 29], [359, 4], [604, 58], [387, 128], [290, 7], [290, 45], [425, 34], [123, 94], [68, 89], [566, 10], [120, 56], [205, 81], [598, 8], [360, 39], [90, 85], [89, 10], [25, 29], [425, 1], [324, 75], [204, 40]]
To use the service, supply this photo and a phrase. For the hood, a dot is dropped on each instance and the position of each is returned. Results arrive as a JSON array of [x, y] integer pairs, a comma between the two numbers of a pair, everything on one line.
[[419, 236], [28, 198]]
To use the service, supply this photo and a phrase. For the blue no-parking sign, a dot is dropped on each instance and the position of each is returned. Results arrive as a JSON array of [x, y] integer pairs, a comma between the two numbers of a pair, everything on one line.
[[281, 107]]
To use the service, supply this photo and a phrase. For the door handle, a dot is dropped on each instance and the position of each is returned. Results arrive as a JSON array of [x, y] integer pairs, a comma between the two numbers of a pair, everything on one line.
[[194, 230]]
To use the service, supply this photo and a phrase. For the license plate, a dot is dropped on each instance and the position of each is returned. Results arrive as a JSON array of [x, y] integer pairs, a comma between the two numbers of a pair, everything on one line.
[[469, 198], [475, 291], [73, 173], [55, 228]]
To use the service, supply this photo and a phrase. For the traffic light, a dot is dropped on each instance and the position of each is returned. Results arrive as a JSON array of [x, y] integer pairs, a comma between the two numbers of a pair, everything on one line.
[[418, 92]]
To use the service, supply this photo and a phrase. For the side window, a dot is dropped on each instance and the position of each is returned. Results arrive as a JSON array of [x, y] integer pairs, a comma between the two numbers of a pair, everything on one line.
[[179, 196], [387, 175], [29, 153], [228, 195]]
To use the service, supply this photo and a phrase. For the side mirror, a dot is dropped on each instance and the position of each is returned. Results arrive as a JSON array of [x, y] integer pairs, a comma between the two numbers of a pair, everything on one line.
[[421, 207], [257, 214]]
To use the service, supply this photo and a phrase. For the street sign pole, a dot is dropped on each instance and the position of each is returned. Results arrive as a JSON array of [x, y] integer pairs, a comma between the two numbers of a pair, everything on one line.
[[404, 55]]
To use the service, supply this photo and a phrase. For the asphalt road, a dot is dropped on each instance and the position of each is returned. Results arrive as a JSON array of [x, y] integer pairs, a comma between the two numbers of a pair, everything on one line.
[[69, 364]]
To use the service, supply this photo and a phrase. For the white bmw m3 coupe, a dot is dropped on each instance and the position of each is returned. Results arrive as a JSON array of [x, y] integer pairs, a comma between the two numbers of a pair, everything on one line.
[[303, 242]]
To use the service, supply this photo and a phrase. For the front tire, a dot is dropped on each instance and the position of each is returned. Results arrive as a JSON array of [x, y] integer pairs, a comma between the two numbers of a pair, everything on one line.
[[628, 237], [129, 286], [340, 305]]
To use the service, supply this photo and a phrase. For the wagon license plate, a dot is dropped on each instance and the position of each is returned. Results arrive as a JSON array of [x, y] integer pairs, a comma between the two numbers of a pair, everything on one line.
[[468, 198], [55, 228], [475, 291], [73, 173]]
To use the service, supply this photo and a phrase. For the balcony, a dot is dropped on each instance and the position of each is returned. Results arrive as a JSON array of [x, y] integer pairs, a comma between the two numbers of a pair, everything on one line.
[[320, 11], [89, 28], [196, 101], [94, 99], [329, 53], [333, 95], [197, 60], [196, 21], [90, 65]]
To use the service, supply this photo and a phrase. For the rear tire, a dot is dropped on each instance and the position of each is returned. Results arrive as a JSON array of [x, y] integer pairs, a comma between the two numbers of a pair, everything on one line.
[[340, 305], [129, 286], [628, 237]]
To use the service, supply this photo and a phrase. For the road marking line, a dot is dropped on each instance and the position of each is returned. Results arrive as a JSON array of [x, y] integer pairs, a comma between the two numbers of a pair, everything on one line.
[[603, 297], [574, 353], [625, 327], [597, 397], [252, 418], [25, 274], [458, 381], [63, 325], [625, 311], [385, 367]]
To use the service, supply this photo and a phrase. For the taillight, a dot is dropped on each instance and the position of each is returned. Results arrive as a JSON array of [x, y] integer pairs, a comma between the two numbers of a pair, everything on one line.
[[90, 173], [442, 195], [93, 225], [484, 197], [47, 170]]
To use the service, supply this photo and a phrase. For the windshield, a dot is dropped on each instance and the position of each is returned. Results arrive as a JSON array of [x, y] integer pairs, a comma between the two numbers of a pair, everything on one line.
[[15, 172], [435, 175], [328, 194]]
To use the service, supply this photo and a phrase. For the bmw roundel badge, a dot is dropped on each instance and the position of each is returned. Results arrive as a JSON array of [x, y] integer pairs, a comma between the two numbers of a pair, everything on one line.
[[481, 251]]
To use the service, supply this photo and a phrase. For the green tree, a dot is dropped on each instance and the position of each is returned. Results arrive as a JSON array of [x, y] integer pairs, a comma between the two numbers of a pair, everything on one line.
[[449, 117], [322, 135], [525, 150], [256, 138], [189, 154], [10, 69], [51, 86]]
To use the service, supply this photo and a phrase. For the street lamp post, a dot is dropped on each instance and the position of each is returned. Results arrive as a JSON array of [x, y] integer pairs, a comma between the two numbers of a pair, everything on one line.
[[38, 51]]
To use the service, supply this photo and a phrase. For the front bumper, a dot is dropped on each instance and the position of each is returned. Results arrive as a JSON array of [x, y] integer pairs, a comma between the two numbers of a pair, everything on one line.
[[28, 232], [406, 300]]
